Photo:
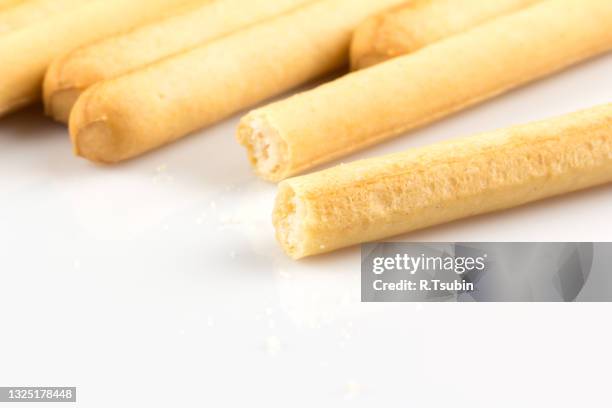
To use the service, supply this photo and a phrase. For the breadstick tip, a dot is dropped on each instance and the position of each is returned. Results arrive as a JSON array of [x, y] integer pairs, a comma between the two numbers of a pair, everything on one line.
[[92, 137], [59, 104], [59, 90], [95, 142], [266, 150]]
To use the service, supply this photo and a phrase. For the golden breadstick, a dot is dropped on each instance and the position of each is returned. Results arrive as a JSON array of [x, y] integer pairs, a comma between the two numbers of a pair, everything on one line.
[[378, 198], [406, 28], [369, 106], [127, 116], [71, 74], [26, 53], [32, 11], [4, 4]]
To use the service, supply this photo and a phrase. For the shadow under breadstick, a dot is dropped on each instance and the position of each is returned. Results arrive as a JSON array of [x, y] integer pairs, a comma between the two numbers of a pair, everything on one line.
[[382, 197], [366, 107]]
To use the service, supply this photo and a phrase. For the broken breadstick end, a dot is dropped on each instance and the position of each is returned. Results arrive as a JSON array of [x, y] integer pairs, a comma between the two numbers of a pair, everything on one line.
[[378, 198], [266, 150], [289, 219]]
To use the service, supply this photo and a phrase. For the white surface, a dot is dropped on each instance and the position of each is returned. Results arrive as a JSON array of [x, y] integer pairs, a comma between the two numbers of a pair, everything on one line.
[[158, 283]]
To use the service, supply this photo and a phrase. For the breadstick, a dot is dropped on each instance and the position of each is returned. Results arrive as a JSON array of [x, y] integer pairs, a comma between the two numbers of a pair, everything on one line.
[[26, 53], [406, 28], [378, 198], [71, 74], [32, 11], [127, 116], [4, 4], [369, 106]]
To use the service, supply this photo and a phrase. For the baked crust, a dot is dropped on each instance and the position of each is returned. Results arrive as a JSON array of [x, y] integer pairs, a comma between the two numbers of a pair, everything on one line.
[[418, 23], [372, 105], [378, 198], [27, 52], [176, 96], [4, 4], [19, 15], [72, 74]]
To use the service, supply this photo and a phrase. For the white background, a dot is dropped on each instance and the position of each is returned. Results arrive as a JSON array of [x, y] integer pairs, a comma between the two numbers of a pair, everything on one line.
[[158, 283]]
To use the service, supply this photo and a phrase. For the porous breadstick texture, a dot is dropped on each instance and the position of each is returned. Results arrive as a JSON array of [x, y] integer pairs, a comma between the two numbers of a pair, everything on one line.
[[378, 198], [74, 72], [169, 99], [418, 23], [372, 105], [27, 52]]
